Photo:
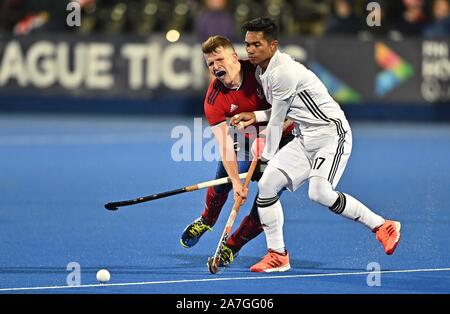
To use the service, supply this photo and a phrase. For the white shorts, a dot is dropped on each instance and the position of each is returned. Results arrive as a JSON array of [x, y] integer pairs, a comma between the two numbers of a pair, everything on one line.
[[323, 154]]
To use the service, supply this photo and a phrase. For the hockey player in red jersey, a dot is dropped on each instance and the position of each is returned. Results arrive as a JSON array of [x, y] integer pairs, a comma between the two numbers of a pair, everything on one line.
[[234, 90]]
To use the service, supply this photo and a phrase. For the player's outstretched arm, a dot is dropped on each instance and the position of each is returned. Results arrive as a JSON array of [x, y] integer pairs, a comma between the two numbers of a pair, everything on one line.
[[229, 160]]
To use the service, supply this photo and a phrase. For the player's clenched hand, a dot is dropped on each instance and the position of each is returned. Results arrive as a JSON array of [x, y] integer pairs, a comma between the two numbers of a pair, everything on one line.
[[243, 119], [240, 192]]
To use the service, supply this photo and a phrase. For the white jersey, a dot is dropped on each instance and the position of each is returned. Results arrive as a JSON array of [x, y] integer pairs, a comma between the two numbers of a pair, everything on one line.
[[297, 93]]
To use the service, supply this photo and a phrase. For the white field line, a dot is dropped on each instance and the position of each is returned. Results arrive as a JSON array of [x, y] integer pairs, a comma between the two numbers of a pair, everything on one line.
[[227, 279]]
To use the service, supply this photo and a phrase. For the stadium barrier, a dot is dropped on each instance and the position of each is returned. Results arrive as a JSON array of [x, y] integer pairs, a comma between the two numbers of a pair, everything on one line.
[[379, 79]]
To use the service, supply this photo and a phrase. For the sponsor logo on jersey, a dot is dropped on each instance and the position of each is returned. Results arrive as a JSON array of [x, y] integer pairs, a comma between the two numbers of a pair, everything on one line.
[[233, 107]]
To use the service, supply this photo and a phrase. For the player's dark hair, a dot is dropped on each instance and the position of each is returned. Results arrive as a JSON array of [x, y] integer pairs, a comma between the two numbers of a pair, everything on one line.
[[262, 24], [212, 43]]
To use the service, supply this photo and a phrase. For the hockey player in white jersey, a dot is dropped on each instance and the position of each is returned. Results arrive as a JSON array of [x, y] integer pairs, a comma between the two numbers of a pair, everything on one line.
[[319, 153]]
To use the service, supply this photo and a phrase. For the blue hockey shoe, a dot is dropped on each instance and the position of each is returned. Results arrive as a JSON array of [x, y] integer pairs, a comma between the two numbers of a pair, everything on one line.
[[193, 232]]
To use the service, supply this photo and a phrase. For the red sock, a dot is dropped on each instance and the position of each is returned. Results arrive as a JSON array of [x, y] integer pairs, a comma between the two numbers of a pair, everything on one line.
[[214, 203], [249, 228]]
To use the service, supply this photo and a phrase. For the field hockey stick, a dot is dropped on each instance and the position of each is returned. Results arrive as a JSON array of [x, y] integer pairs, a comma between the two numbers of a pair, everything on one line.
[[213, 262], [195, 187]]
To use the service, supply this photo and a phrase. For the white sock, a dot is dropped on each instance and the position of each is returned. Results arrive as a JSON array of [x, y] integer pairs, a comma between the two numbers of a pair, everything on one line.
[[321, 191], [357, 211], [272, 220]]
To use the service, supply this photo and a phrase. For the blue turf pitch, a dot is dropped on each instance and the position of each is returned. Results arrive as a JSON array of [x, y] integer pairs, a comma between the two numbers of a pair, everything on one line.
[[57, 173]]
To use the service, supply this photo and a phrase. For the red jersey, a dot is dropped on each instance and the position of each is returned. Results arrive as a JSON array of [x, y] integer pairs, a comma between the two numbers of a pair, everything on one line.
[[222, 102]]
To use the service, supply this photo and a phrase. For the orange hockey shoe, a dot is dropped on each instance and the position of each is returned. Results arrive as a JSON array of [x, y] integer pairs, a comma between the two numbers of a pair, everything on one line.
[[389, 235], [272, 262]]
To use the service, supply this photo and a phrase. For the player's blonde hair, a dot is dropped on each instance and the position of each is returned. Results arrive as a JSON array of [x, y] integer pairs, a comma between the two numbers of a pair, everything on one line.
[[214, 42]]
